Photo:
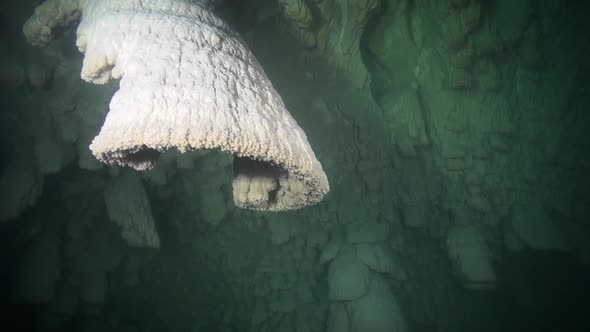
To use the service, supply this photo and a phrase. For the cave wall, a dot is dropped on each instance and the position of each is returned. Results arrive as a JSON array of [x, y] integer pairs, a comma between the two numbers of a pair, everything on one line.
[[452, 133]]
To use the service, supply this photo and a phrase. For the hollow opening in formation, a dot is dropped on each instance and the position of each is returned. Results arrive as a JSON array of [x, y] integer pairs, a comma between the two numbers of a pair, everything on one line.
[[257, 169], [141, 159]]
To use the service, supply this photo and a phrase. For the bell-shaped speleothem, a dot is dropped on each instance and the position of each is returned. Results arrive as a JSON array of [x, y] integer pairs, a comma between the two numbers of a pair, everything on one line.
[[188, 82]]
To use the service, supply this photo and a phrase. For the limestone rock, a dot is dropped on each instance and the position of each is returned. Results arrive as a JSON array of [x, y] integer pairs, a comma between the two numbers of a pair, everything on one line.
[[376, 311], [367, 232], [534, 227], [332, 247], [472, 256], [377, 256], [348, 277]]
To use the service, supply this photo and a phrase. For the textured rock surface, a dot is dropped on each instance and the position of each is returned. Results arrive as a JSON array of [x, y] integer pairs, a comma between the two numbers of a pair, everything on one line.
[[40, 271], [337, 33], [472, 256], [159, 106], [128, 206], [348, 277], [21, 186], [463, 161], [378, 310]]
